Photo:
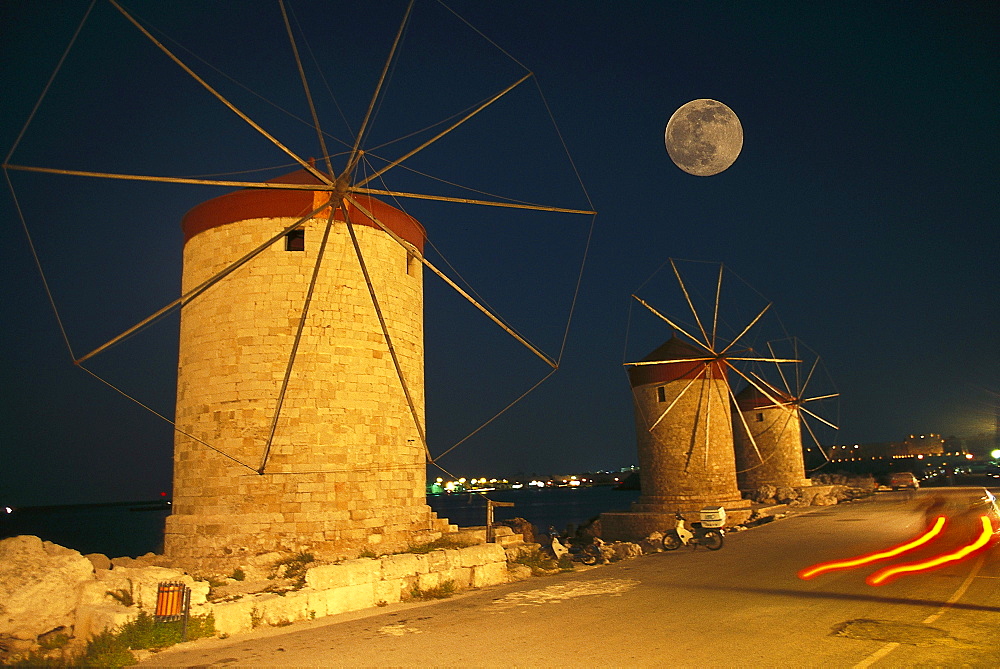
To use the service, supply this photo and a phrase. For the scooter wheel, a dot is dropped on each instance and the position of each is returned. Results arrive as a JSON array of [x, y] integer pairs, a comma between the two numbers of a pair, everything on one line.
[[671, 542], [712, 540]]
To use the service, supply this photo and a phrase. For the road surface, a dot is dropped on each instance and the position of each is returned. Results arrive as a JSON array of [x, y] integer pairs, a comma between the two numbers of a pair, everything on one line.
[[741, 606]]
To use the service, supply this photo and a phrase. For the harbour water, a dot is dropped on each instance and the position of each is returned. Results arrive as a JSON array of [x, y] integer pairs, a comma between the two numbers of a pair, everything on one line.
[[136, 528]]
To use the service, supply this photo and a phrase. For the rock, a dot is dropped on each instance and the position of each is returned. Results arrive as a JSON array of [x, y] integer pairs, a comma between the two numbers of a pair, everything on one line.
[[785, 495], [520, 550], [99, 560], [652, 544], [625, 550], [39, 586], [518, 572], [591, 529], [92, 619], [764, 494], [522, 527], [824, 500]]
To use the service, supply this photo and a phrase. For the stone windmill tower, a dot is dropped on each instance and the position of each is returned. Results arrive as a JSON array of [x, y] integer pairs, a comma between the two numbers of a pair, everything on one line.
[[774, 423], [683, 401], [768, 431], [331, 454], [685, 454]]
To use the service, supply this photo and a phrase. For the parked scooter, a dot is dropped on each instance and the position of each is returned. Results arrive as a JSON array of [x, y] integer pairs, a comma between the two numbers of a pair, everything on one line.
[[696, 536]]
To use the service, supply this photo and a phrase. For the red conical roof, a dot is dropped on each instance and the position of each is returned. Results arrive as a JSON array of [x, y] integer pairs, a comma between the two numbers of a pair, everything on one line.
[[751, 398], [252, 203], [673, 349]]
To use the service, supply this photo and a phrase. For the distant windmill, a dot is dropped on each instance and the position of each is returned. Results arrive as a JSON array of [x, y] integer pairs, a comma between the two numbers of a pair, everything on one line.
[[683, 397], [773, 415]]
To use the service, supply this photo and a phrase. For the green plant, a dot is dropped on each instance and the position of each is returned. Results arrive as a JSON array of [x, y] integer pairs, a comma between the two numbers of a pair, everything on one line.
[[441, 591], [145, 632], [123, 596], [238, 575], [54, 642], [439, 544], [256, 618], [41, 659], [293, 567], [367, 553], [541, 564], [112, 648], [105, 650]]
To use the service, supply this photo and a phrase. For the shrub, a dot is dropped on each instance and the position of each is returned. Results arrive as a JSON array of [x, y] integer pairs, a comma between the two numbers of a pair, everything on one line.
[[442, 591], [293, 567], [439, 544]]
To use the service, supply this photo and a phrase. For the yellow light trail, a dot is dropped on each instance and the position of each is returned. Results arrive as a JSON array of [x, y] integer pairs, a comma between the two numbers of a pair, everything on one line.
[[884, 575], [851, 563]]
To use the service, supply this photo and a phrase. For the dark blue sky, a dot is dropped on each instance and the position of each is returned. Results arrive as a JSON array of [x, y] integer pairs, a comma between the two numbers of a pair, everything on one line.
[[864, 206]]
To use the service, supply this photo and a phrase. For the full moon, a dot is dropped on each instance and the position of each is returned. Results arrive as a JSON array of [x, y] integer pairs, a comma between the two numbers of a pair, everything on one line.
[[703, 137]]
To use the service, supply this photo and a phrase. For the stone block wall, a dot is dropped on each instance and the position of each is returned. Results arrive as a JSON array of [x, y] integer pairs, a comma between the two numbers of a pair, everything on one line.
[[363, 583]]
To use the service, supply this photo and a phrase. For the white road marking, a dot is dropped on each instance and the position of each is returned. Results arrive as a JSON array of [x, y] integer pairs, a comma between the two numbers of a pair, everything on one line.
[[558, 593]]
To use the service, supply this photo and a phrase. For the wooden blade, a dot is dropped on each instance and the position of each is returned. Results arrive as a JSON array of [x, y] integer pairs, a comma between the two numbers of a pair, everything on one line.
[[708, 414], [819, 418], [427, 263], [462, 200], [203, 286], [675, 400], [820, 397], [446, 131], [672, 324], [665, 362], [815, 440], [746, 329], [304, 163], [805, 384], [746, 427], [353, 158], [715, 314], [305, 87], [694, 312], [766, 392], [781, 372], [269, 185]]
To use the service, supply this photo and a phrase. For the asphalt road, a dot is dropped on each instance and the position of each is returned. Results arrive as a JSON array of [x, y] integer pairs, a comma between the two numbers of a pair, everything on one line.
[[741, 606]]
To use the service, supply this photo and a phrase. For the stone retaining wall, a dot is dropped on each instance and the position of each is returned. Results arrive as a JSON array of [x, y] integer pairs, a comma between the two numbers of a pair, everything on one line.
[[46, 588], [362, 583]]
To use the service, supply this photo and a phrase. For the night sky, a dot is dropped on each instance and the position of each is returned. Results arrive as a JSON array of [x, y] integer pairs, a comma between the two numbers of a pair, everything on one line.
[[863, 207]]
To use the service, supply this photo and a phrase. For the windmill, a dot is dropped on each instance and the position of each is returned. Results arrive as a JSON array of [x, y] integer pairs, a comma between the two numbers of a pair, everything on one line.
[[776, 410], [300, 406], [683, 393]]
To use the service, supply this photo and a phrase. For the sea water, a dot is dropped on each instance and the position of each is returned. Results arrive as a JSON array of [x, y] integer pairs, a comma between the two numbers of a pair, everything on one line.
[[136, 528]]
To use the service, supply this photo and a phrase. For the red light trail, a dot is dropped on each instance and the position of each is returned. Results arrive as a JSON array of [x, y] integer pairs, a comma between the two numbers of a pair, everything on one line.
[[851, 563], [889, 573]]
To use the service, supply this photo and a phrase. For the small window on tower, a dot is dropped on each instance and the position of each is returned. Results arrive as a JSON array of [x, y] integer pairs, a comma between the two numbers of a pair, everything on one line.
[[760, 418], [295, 240], [412, 264], [661, 394]]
